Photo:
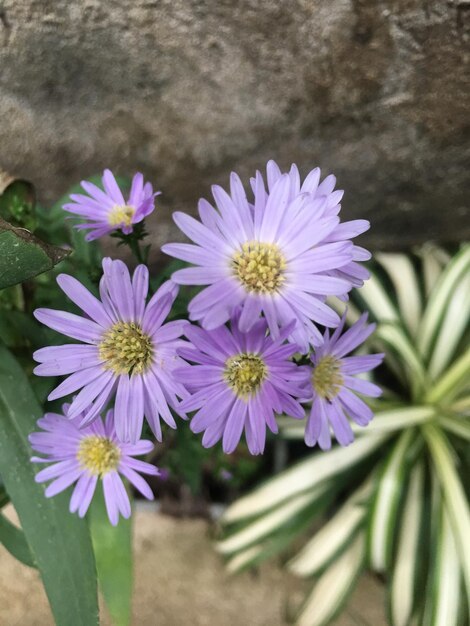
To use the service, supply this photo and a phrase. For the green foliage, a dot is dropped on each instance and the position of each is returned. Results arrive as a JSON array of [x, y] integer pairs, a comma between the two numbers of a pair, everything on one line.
[[406, 515], [59, 543], [112, 546]]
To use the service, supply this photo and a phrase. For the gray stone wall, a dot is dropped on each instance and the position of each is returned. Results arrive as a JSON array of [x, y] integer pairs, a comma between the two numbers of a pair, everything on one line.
[[375, 91]]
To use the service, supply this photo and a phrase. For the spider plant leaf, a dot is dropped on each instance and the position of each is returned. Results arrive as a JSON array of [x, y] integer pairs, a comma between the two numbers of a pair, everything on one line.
[[407, 563], [404, 279], [396, 341], [268, 523], [455, 500], [13, 539], [382, 524], [301, 477], [456, 426], [244, 559], [334, 586], [449, 384], [442, 294], [446, 597], [452, 328], [377, 301], [333, 536], [434, 260]]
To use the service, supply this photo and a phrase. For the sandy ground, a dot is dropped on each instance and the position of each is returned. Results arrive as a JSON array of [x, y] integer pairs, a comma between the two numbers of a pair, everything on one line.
[[180, 580]]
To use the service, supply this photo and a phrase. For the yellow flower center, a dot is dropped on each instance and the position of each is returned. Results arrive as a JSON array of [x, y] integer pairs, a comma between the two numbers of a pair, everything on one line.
[[259, 266], [126, 349], [244, 373], [121, 215], [99, 455], [327, 378]]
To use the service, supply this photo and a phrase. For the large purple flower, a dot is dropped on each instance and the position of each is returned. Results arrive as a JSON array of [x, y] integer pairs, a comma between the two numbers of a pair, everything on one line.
[[125, 350], [274, 257], [335, 385], [107, 211], [355, 273], [238, 381], [86, 455]]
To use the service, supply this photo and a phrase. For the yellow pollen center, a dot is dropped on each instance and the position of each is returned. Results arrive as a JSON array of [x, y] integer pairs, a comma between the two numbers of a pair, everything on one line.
[[121, 215], [126, 349], [244, 373], [259, 266], [99, 455], [327, 378]]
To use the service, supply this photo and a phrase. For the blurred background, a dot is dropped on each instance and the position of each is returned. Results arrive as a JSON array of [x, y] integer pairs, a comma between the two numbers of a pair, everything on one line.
[[374, 91], [188, 90]]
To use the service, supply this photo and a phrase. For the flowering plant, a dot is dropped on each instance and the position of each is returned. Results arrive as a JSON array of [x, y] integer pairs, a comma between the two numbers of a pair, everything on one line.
[[259, 339], [396, 502]]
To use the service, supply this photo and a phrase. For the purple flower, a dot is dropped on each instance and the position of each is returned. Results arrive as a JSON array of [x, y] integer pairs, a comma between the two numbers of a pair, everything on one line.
[[355, 273], [125, 350], [84, 455], [277, 257], [239, 380], [335, 385], [106, 211]]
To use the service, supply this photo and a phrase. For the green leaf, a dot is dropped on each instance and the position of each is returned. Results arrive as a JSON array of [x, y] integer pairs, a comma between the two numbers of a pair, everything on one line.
[[454, 494], [384, 509], [434, 260], [59, 542], [459, 427], [446, 387], [445, 597], [112, 546], [440, 297], [404, 279], [14, 541], [334, 586], [305, 475], [377, 301], [453, 326], [333, 536], [22, 255], [406, 566]]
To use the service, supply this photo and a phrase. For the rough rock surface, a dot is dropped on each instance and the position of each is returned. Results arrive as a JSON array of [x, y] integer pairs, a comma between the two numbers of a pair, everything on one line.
[[186, 90]]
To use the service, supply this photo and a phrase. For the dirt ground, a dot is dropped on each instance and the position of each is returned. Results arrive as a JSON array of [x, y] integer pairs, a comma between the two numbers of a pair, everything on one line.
[[180, 580]]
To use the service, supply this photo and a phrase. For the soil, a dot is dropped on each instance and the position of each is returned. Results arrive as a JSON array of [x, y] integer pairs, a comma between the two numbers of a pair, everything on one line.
[[180, 580]]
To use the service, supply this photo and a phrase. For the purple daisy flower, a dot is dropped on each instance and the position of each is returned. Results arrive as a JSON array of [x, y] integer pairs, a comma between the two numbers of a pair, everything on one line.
[[274, 257], [84, 455], [107, 211], [335, 385], [355, 273], [125, 350], [239, 380]]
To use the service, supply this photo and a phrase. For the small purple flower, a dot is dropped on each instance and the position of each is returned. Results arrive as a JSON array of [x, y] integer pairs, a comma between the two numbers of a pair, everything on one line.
[[334, 381], [239, 380], [125, 350], [84, 455], [276, 256], [107, 211]]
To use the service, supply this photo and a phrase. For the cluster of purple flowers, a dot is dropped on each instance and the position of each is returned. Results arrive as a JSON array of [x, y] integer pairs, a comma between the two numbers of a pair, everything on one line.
[[267, 266]]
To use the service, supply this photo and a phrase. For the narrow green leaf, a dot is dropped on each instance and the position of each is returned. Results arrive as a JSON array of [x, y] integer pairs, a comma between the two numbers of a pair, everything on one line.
[[434, 260], [377, 301], [334, 586], [384, 509], [267, 523], [335, 535], [112, 546], [303, 476], [406, 565], [22, 255], [455, 321], [453, 492], [59, 542], [446, 387], [404, 279], [14, 541], [439, 299], [446, 588], [456, 426]]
